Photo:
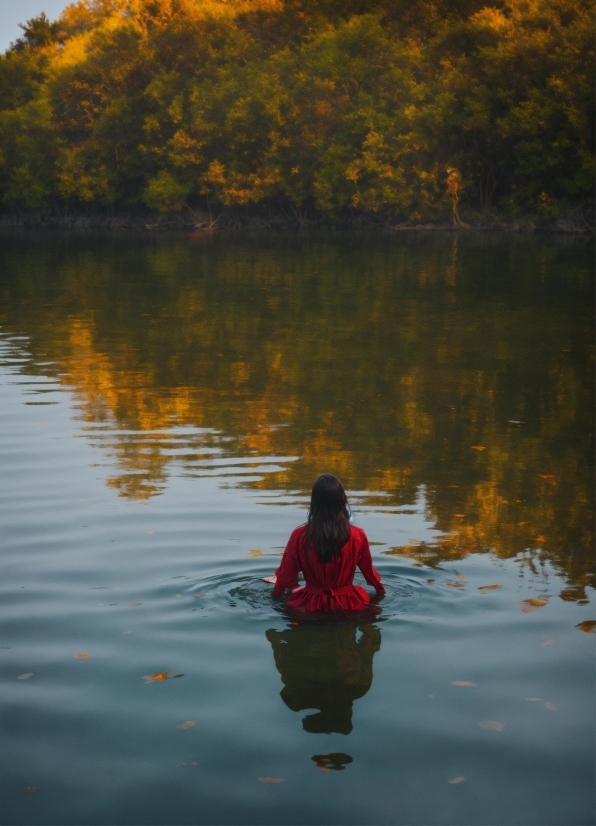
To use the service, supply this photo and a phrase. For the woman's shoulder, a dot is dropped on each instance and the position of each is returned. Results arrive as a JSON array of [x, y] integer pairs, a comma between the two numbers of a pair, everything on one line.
[[298, 533], [358, 534]]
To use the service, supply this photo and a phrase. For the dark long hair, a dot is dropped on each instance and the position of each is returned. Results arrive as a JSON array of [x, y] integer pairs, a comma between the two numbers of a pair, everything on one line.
[[328, 523]]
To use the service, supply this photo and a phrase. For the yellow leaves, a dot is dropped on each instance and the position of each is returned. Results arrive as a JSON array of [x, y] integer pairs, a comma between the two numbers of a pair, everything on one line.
[[532, 604], [464, 683], [478, 447], [455, 585], [186, 725], [488, 587], [456, 781], [255, 552], [459, 516], [492, 725], [25, 676], [271, 779], [160, 676], [82, 656], [589, 626]]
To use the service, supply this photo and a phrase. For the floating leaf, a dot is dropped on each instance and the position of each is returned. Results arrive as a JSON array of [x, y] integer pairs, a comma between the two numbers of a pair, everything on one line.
[[478, 447], [545, 703], [271, 779], [178, 596], [549, 641], [198, 596], [28, 790], [127, 632], [456, 780], [547, 475], [460, 576], [550, 706], [159, 676], [456, 585], [25, 676], [488, 587], [185, 725], [429, 581], [323, 768], [589, 626], [82, 656], [148, 532], [134, 604], [463, 682], [532, 604], [459, 515], [540, 539], [492, 725], [255, 552]]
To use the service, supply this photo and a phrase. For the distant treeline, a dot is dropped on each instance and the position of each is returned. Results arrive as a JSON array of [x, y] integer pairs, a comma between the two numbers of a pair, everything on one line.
[[397, 110]]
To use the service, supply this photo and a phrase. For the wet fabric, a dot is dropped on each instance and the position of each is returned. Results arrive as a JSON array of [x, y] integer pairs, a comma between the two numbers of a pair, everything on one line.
[[328, 584]]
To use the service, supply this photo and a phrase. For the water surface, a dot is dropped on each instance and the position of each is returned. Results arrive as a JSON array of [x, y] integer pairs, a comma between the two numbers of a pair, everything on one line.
[[166, 403]]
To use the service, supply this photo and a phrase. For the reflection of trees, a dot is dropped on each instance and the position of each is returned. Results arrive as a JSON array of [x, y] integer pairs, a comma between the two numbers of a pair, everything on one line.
[[325, 666], [390, 364]]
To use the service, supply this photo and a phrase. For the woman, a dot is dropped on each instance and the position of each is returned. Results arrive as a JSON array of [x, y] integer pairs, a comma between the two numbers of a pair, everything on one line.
[[327, 550]]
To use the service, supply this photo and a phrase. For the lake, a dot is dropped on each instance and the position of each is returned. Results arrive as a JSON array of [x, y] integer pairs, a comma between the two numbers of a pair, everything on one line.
[[167, 402]]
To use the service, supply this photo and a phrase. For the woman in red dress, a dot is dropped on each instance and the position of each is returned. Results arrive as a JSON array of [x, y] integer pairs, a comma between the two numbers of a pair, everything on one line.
[[327, 549]]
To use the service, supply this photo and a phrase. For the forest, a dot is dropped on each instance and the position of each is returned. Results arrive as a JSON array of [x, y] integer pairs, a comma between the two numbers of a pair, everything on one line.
[[388, 112]]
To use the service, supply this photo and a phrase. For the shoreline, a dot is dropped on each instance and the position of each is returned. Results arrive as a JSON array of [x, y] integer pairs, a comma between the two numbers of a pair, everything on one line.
[[202, 223]]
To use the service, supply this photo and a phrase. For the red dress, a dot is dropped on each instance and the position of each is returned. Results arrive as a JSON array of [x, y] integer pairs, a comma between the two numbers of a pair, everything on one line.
[[328, 584]]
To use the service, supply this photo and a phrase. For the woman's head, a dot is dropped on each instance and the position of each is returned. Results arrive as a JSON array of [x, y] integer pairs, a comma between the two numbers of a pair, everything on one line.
[[328, 524]]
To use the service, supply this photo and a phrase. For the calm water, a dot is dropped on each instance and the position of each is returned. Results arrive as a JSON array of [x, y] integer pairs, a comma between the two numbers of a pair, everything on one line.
[[166, 404]]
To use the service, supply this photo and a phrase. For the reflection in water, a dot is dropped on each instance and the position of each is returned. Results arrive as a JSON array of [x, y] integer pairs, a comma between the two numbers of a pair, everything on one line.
[[464, 366], [325, 666]]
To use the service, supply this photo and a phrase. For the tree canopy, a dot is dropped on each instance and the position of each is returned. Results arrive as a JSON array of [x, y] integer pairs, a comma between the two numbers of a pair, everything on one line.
[[401, 110]]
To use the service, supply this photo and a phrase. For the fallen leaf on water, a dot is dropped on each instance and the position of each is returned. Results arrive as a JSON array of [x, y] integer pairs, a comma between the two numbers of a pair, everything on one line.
[[188, 763], [134, 604], [532, 604], [178, 596], [519, 524], [271, 779], [198, 596], [255, 552], [82, 656], [25, 676], [589, 626], [323, 768], [540, 539], [187, 724], [148, 532], [549, 641], [429, 581], [459, 515], [463, 682], [478, 447], [488, 587], [28, 790], [157, 677], [456, 780], [547, 475], [456, 585], [545, 703], [492, 725]]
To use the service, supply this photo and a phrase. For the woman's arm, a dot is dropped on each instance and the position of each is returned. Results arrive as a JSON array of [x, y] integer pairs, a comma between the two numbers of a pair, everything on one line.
[[287, 573], [366, 566]]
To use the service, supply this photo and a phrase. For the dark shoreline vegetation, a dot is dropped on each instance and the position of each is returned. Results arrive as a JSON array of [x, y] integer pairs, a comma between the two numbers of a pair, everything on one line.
[[391, 114]]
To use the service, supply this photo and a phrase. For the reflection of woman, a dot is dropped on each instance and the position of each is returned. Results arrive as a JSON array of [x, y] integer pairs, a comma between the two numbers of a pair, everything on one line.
[[324, 666], [327, 550]]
